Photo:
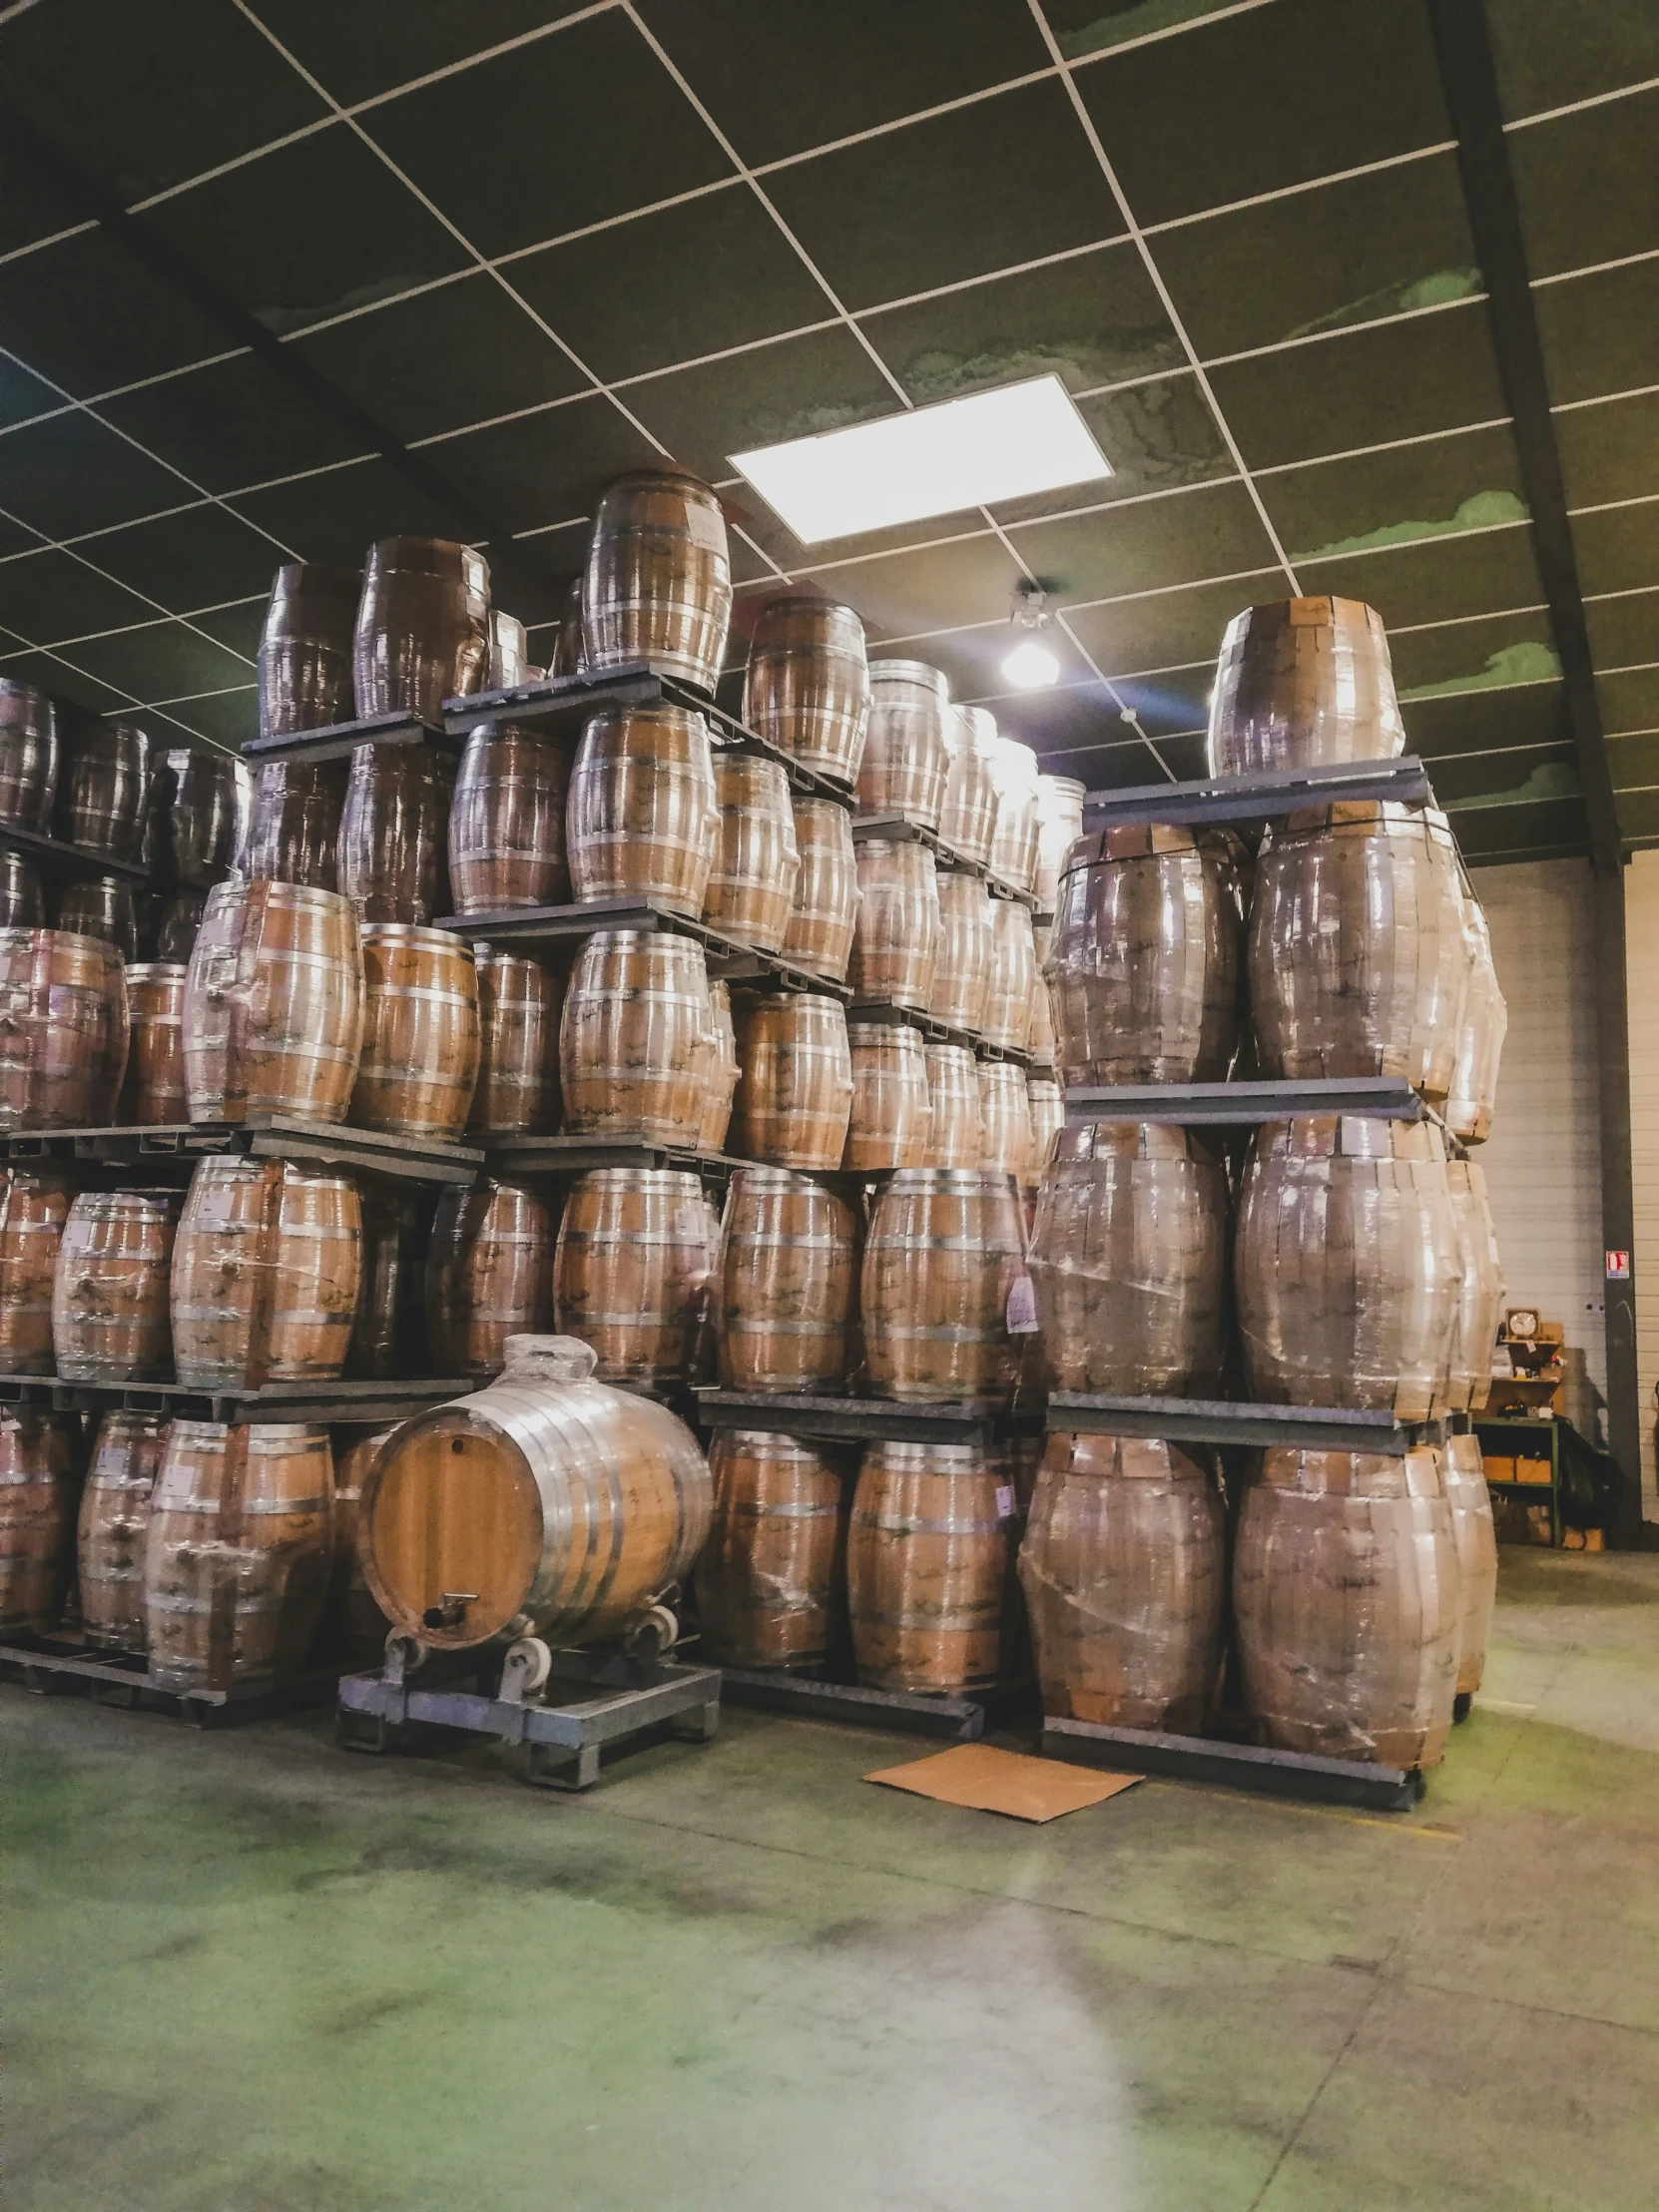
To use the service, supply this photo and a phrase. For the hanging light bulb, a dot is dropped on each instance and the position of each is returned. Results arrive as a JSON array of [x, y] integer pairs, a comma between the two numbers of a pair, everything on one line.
[[1031, 665]]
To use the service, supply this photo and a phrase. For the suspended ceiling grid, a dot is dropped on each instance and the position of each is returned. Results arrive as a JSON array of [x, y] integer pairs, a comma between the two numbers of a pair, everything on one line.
[[542, 244]]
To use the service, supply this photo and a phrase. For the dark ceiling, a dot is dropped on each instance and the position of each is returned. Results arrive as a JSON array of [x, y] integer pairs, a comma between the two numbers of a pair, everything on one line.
[[539, 244]]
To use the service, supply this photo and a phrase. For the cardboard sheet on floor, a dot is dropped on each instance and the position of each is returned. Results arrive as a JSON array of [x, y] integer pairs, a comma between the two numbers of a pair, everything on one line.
[[986, 1779]]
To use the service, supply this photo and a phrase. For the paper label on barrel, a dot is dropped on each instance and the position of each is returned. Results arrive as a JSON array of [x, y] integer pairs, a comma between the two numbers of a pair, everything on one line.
[[691, 1224], [1022, 1307], [1005, 1502], [706, 529]]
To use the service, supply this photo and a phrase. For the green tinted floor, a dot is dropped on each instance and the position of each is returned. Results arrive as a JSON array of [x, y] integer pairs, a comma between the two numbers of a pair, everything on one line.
[[250, 1972]]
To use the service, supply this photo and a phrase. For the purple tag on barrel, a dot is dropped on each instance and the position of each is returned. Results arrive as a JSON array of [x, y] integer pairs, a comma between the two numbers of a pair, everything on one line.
[[1022, 1307]]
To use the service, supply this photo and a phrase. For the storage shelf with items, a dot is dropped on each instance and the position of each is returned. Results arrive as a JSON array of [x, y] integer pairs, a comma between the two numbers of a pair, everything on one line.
[[1522, 1458]]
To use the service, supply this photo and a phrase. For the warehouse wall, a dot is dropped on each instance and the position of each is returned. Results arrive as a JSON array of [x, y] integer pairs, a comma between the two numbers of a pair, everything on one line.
[[1641, 925], [1544, 1161]]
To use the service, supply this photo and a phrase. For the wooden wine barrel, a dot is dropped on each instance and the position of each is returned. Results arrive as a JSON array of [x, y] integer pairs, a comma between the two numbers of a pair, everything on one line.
[[296, 825], [637, 1045], [519, 1002], [1124, 1568], [902, 771], [267, 1270], [786, 1284], [63, 1030], [31, 747], [943, 1250], [794, 1099], [631, 1271], [114, 1526], [723, 1081], [1144, 958], [488, 1275], [507, 821], [1357, 960], [423, 628], [109, 1291], [1048, 1116], [891, 1122], [1480, 1033], [567, 644], [807, 684], [1480, 1299], [771, 1576], [154, 1089], [353, 1622], [1016, 845], [419, 1062], [106, 788], [388, 1337], [205, 799], [178, 927], [657, 582], [305, 650], [33, 1206], [968, 812], [100, 907], [956, 1137], [1059, 825], [757, 862], [1129, 1261], [39, 1480], [962, 967], [22, 900], [1041, 1043], [927, 1550], [897, 942], [238, 1553], [1476, 1540], [273, 1005], [1302, 682], [1007, 1140], [394, 853], [1345, 1264], [825, 909], [1345, 1599], [556, 1501], [643, 823], [1014, 972]]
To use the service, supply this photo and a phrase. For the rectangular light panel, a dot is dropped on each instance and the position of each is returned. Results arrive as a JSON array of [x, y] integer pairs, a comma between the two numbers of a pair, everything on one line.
[[937, 460]]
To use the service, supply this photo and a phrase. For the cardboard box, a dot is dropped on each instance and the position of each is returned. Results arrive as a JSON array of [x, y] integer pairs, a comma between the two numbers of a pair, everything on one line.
[[1499, 1468], [1533, 1470]]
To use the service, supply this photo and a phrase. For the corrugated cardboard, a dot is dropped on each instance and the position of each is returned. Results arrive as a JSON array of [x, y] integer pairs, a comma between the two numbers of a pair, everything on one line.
[[989, 1781]]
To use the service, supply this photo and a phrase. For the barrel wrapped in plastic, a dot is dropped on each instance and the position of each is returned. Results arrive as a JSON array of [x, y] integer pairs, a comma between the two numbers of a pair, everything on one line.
[[1302, 682], [33, 1207], [967, 814], [62, 1049], [1346, 1597], [1481, 1034], [548, 1505], [891, 1120], [1476, 1540], [897, 942], [927, 1581], [1124, 1569], [945, 1250], [110, 1288], [794, 1099], [771, 1577], [956, 1137], [1479, 1306]]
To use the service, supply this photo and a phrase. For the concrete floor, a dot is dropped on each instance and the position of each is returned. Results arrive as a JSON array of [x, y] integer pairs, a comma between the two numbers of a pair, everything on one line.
[[254, 1973]]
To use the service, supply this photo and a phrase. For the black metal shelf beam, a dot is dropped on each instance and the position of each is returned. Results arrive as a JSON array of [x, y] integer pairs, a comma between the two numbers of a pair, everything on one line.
[[726, 958], [314, 1402], [62, 857], [1212, 798], [900, 830], [1200, 1421], [269, 1136], [889, 1015], [855, 1419], [338, 740], [958, 1719], [575, 1155], [1243, 1105], [1206, 1759]]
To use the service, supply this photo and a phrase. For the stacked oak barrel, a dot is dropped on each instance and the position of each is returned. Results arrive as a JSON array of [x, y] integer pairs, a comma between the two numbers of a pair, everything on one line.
[[1348, 1261]]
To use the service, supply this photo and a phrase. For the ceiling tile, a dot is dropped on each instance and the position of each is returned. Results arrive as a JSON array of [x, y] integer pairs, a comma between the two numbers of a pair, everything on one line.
[[239, 627], [1600, 333], [1491, 651], [1624, 631], [141, 105], [49, 595], [780, 80], [1005, 180], [1170, 629], [1092, 318], [1456, 483], [1588, 184], [972, 659], [712, 272], [1186, 758], [1409, 377], [1523, 833], [1486, 721], [462, 353], [162, 661], [1436, 579], [1607, 452], [69, 474], [1078, 721], [1635, 765], [743, 504], [51, 673], [374, 44], [191, 559], [1157, 438], [788, 390], [228, 719], [237, 422], [308, 231], [1547, 55], [1213, 531], [30, 207], [22, 394], [85, 315], [566, 132], [17, 537], [1260, 101], [973, 581], [545, 467], [1630, 700], [1350, 252], [1524, 776], [1166, 705], [1084, 27], [1619, 549], [1638, 812]]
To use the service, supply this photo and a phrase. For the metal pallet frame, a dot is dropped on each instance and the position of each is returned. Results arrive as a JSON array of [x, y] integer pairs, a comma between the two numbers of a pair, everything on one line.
[[1241, 1105], [374, 1709], [1233, 1766], [1258, 798], [960, 1720], [315, 1405], [900, 830], [527, 925], [860, 1419], [575, 1155], [1200, 1421], [338, 740], [264, 1137], [121, 1679], [58, 854], [893, 1016]]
